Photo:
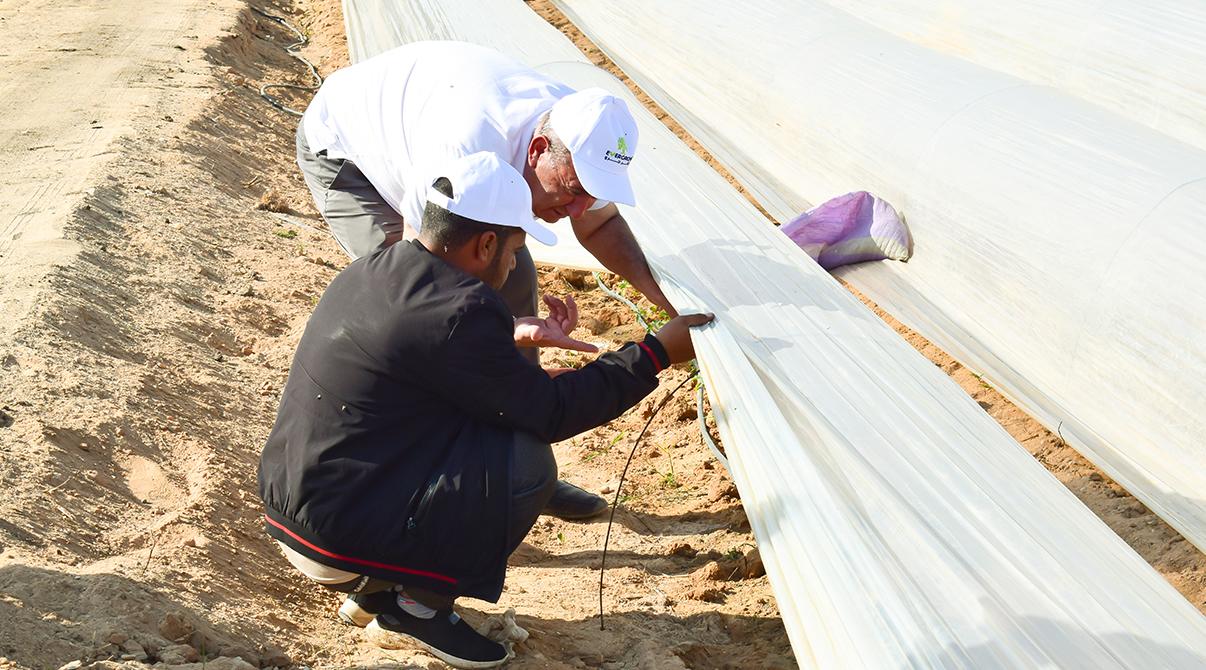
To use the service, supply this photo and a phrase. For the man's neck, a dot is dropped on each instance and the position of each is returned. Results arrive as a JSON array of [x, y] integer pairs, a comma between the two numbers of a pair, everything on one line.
[[457, 258]]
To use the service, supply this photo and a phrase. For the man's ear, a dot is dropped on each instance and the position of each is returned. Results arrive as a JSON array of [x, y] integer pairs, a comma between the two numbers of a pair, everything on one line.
[[486, 246], [537, 146]]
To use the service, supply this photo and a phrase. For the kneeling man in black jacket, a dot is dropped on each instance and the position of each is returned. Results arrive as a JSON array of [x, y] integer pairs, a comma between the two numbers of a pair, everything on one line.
[[410, 454]]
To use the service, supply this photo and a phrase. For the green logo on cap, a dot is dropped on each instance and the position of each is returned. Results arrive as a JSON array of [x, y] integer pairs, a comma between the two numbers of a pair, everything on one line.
[[620, 156]]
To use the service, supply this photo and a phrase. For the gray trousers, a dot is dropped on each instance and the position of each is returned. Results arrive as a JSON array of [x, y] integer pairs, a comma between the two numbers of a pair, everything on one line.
[[533, 478], [360, 219]]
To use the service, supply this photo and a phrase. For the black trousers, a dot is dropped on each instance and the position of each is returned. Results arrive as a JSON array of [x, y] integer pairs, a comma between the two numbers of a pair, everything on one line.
[[533, 478]]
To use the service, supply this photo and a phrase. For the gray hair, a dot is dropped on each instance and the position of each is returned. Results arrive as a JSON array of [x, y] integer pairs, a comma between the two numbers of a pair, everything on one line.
[[557, 149]]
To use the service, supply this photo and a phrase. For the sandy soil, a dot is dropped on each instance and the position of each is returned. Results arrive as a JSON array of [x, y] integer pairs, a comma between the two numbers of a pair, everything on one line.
[[152, 299], [56, 134]]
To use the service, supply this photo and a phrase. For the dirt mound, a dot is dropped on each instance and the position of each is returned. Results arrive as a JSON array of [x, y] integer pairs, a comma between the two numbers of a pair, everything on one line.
[[138, 391]]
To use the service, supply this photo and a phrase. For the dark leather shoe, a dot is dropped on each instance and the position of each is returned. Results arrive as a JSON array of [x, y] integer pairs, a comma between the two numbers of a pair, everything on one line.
[[444, 635], [571, 503]]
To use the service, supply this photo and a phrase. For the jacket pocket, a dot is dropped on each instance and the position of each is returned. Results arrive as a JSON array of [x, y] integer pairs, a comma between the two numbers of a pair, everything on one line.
[[455, 512], [421, 511]]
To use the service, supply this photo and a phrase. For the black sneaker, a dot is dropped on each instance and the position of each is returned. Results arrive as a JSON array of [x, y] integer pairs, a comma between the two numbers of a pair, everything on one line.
[[571, 503], [360, 608], [444, 636]]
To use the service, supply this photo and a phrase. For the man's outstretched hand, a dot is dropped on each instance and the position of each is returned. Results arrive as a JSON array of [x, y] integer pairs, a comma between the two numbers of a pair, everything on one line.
[[675, 336], [553, 330]]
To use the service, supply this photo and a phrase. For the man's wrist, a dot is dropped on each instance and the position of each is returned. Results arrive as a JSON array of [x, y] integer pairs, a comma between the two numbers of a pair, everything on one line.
[[656, 352]]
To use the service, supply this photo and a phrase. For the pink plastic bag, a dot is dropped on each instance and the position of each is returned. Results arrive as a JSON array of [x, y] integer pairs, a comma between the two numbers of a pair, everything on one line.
[[852, 228]]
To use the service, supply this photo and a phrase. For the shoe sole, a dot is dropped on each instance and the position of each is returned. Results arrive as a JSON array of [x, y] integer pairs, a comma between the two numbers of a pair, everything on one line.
[[377, 631], [351, 614]]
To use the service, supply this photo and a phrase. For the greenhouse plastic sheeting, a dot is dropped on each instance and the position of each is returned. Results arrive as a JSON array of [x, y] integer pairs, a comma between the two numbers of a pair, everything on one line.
[[1059, 248], [1143, 60], [901, 527]]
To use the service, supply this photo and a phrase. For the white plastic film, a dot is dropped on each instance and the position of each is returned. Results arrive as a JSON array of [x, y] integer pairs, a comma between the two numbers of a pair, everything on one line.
[[901, 527], [1059, 248], [1144, 60]]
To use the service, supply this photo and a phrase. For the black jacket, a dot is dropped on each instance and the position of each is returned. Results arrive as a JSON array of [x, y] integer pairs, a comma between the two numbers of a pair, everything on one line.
[[392, 448]]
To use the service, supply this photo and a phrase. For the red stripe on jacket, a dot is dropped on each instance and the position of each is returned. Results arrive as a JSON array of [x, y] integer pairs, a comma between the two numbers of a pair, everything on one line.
[[360, 561]]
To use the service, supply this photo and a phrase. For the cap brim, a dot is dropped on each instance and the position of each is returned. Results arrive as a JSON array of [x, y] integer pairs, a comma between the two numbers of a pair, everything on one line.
[[542, 234], [604, 185]]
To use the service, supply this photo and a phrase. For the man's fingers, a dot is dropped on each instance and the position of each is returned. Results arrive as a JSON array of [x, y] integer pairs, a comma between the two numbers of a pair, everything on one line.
[[571, 309], [563, 314], [698, 319], [554, 304], [577, 345]]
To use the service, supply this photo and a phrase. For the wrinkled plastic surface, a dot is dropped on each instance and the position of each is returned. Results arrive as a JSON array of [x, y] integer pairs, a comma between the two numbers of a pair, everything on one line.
[[1059, 247], [852, 228], [1145, 60], [900, 525]]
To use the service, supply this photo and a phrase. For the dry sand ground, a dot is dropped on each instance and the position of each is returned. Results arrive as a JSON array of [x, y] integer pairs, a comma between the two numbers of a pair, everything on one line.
[[150, 309]]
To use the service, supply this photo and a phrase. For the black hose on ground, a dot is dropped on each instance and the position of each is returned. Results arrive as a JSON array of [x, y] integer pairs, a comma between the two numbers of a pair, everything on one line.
[[293, 50], [615, 503]]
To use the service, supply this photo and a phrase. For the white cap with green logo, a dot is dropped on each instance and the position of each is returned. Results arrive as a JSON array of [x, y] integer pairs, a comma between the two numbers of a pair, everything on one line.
[[601, 136]]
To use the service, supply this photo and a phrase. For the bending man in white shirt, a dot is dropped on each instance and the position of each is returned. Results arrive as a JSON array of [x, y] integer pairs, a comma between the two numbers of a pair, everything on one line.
[[374, 133]]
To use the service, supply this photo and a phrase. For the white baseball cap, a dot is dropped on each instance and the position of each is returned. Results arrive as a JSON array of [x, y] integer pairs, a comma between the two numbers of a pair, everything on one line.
[[487, 189], [601, 136]]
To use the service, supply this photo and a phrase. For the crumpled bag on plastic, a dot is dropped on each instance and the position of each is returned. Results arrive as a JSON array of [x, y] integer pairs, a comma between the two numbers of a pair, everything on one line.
[[852, 228]]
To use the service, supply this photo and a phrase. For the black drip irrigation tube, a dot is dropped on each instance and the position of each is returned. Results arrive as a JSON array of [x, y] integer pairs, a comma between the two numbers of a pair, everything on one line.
[[293, 50]]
